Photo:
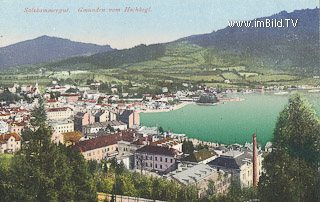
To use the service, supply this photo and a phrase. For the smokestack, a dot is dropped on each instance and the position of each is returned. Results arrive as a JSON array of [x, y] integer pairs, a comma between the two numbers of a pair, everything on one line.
[[255, 161]]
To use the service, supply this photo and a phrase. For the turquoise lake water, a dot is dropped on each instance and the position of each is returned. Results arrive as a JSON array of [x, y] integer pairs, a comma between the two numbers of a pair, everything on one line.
[[233, 122]]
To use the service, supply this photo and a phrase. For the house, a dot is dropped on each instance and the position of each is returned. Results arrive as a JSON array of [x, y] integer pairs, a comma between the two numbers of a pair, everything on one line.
[[4, 116], [114, 90], [157, 159], [3, 127], [104, 147], [202, 156], [17, 127], [82, 119], [164, 89], [59, 113], [9, 143], [60, 89], [53, 103], [91, 94], [95, 83], [62, 126], [70, 97], [129, 117], [168, 142], [26, 88], [239, 163], [70, 138], [57, 138], [200, 175], [103, 126], [12, 89], [101, 116]]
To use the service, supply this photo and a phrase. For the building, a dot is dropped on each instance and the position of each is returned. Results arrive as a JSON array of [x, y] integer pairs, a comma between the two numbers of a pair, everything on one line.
[[10, 143], [168, 142], [3, 127], [164, 89], [53, 103], [62, 126], [17, 127], [95, 83], [12, 89], [101, 116], [82, 119], [70, 97], [70, 138], [200, 175], [91, 94], [4, 116], [202, 156], [103, 126], [239, 163], [59, 113], [157, 159], [129, 117], [104, 147]]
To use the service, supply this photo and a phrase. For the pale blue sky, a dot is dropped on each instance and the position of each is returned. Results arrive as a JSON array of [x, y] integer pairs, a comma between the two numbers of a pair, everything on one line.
[[167, 21]]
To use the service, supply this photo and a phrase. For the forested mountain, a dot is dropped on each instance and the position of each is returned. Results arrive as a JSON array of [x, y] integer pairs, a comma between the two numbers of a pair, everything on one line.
[[44, 49], [279, 47]]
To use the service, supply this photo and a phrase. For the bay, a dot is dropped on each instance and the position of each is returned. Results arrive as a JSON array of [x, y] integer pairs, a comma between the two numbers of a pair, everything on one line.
[[233, 122]]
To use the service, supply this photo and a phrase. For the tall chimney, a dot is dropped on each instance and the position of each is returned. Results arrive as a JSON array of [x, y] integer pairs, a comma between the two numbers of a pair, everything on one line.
[[255, 161]]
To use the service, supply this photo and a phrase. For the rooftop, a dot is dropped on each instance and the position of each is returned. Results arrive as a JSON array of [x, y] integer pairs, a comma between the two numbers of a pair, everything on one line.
[[158, 150], [5, 137], [104, 124], [199, 156], [191, 175], [103, 141]]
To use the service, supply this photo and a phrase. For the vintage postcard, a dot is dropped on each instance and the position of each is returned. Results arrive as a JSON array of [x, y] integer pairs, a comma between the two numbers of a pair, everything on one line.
[[147, 100]]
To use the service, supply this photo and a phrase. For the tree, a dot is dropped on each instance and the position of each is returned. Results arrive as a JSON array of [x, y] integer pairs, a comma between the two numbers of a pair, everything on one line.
[[292, 168], [44, 171], [161, 130], [187, 147]]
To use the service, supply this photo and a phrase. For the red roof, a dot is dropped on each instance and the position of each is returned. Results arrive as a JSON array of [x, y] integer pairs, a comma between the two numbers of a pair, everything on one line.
[[70, 95], [103, 141], [5, 137], [62, 87], [158, 150], [59, 109], [52, 100]]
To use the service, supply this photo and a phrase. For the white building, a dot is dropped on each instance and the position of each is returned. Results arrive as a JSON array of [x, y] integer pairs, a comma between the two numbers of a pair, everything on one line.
[[9, 143], [59, 113], [3, 127], [62, 126]]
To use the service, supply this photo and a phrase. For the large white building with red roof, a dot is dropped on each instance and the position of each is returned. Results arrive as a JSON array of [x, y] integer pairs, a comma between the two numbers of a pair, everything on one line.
[[59, 113]]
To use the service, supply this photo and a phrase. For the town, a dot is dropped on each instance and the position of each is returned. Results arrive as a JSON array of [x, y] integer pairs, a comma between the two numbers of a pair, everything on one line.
[[103, 129]]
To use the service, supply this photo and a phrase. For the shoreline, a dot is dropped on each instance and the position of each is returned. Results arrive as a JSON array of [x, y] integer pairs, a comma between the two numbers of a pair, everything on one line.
[[179, 106]]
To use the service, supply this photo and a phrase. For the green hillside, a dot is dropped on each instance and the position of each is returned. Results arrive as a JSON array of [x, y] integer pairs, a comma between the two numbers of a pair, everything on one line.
[[175, 62]]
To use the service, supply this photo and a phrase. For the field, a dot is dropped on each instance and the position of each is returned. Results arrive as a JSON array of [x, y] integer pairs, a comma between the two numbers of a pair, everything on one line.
[[178, 62]]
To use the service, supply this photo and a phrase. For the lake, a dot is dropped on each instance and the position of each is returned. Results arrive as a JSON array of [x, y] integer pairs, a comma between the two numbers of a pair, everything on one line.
[[233, 122]]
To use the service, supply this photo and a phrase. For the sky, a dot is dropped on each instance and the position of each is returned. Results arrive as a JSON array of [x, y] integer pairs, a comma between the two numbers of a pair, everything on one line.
[[168, 20]]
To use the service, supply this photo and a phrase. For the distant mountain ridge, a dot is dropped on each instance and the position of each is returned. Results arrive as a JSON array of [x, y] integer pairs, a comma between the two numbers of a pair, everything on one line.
[[44, 49], [279, 47]]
